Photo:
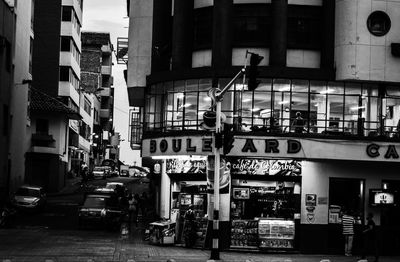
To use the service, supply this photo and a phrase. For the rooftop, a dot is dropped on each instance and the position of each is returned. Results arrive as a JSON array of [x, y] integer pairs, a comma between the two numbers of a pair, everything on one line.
[[41, 102]]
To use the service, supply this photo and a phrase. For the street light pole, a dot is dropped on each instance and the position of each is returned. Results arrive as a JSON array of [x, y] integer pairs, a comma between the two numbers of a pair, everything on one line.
[[218, 96]]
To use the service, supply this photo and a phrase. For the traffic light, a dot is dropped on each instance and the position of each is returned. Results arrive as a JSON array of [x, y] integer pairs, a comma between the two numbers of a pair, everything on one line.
[[252, 72]]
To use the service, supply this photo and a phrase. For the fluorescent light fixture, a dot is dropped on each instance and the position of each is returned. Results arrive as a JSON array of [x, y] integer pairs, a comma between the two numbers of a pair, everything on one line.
[[285, 88], [283, 102], [265, 111], [255, 109], [357, 107], [246, 100], [187, 105], [328, 91], [184, 157]]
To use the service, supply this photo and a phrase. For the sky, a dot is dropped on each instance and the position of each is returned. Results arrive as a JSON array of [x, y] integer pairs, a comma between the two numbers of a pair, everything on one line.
[[111, 16]]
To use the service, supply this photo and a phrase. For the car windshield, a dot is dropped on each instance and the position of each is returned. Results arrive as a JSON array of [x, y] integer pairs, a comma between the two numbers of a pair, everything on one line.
[[112, 186], [99, 202], [28, 192]]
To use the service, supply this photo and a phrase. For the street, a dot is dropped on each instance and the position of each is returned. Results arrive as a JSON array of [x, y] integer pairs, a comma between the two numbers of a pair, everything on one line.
[[54, 235]]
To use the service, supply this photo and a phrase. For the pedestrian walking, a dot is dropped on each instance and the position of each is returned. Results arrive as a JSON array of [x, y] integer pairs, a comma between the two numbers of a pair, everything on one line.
[[189, 228], [370, 238], [132, 209], [348, 222]]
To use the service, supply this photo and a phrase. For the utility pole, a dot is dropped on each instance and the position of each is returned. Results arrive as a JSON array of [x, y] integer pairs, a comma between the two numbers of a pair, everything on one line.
[[217, 97]]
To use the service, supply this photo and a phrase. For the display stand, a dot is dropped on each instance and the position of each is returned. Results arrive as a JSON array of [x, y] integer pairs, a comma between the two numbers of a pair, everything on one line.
[[244, 234], [276, 233]]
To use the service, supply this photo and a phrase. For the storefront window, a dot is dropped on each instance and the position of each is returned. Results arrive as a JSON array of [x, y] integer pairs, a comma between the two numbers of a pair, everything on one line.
[[330, 108]]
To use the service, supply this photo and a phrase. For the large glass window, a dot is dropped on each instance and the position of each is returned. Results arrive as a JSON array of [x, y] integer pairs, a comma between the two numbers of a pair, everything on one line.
[[279, 105]]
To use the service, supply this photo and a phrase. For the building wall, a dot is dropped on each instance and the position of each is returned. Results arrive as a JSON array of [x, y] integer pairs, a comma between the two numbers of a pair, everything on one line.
[[359, 55], [19, 139], [6, 83], [140, 42], [46, 52]]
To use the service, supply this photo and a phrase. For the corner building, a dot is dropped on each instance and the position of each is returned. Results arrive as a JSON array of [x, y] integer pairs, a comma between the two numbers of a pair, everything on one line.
[[334, 62]]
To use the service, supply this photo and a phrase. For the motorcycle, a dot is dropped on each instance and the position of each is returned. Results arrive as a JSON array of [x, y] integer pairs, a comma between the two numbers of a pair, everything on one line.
[[7, 215]]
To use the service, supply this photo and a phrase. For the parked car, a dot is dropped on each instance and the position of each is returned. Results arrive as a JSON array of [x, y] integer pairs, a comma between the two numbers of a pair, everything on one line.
[[124, 173], [99, 172], [102, 209], [29, 197], [111, 187]]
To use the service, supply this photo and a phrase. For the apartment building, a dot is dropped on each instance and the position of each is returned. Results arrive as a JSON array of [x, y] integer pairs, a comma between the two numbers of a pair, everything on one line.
[[56, 70], [97, 80]]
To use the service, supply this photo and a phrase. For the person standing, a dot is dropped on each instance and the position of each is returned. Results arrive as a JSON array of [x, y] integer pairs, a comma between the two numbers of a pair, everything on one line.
[[348, 222], [370, 238], [298, 123]]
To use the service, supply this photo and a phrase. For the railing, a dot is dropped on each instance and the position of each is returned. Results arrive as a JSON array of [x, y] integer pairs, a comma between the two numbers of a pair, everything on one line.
[[284, 126]]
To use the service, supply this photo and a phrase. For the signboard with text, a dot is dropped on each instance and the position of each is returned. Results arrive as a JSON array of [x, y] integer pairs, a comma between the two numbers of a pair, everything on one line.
[[176, 166], [268, 147], [266, 167]]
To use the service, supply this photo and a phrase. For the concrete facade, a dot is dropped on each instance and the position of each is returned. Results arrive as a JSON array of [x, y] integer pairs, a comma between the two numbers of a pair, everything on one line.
[[359, 55], [20, 140]]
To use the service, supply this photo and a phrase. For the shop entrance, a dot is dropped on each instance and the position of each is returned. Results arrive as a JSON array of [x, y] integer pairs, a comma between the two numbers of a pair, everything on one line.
[[390, 217], [345, 194], [264, 212]]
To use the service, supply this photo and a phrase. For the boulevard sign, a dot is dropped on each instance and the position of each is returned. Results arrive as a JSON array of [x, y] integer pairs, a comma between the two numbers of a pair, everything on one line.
[[275, 148]]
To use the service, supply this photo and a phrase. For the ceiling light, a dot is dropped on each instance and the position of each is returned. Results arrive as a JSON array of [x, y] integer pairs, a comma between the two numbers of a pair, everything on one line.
[[283, 102], [255, 109], [328, 91]]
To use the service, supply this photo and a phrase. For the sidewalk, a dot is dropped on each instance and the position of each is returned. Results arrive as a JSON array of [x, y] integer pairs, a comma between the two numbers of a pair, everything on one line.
[[133, 249], [72, 185]]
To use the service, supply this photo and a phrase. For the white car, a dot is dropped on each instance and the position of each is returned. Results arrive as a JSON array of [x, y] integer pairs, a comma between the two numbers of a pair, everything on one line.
[[29, 197], [99, 172]]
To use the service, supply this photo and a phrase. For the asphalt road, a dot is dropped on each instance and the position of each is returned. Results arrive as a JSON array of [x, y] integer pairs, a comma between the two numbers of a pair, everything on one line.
[[61, 211]]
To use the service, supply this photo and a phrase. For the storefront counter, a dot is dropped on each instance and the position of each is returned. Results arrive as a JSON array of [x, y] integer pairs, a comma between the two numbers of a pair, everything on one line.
[[276, 233], [263, 233]]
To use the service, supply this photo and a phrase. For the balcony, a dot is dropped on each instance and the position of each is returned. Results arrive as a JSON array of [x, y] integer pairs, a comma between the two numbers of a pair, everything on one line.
[[106, 91], [106, 70], [43, 143]]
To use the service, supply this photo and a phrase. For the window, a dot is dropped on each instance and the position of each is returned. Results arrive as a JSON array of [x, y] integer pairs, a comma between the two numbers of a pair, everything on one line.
[[66, 13], [30, 54], [378, 23], [203, 24], [304, 27], [64, 73], [42, 126], [87, 106], [65, 43], [251, 24]]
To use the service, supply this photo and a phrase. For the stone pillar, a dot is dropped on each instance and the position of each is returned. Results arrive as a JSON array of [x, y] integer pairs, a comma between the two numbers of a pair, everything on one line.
[[222, 34], [182, 35], [165, 200], [278, 47]]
